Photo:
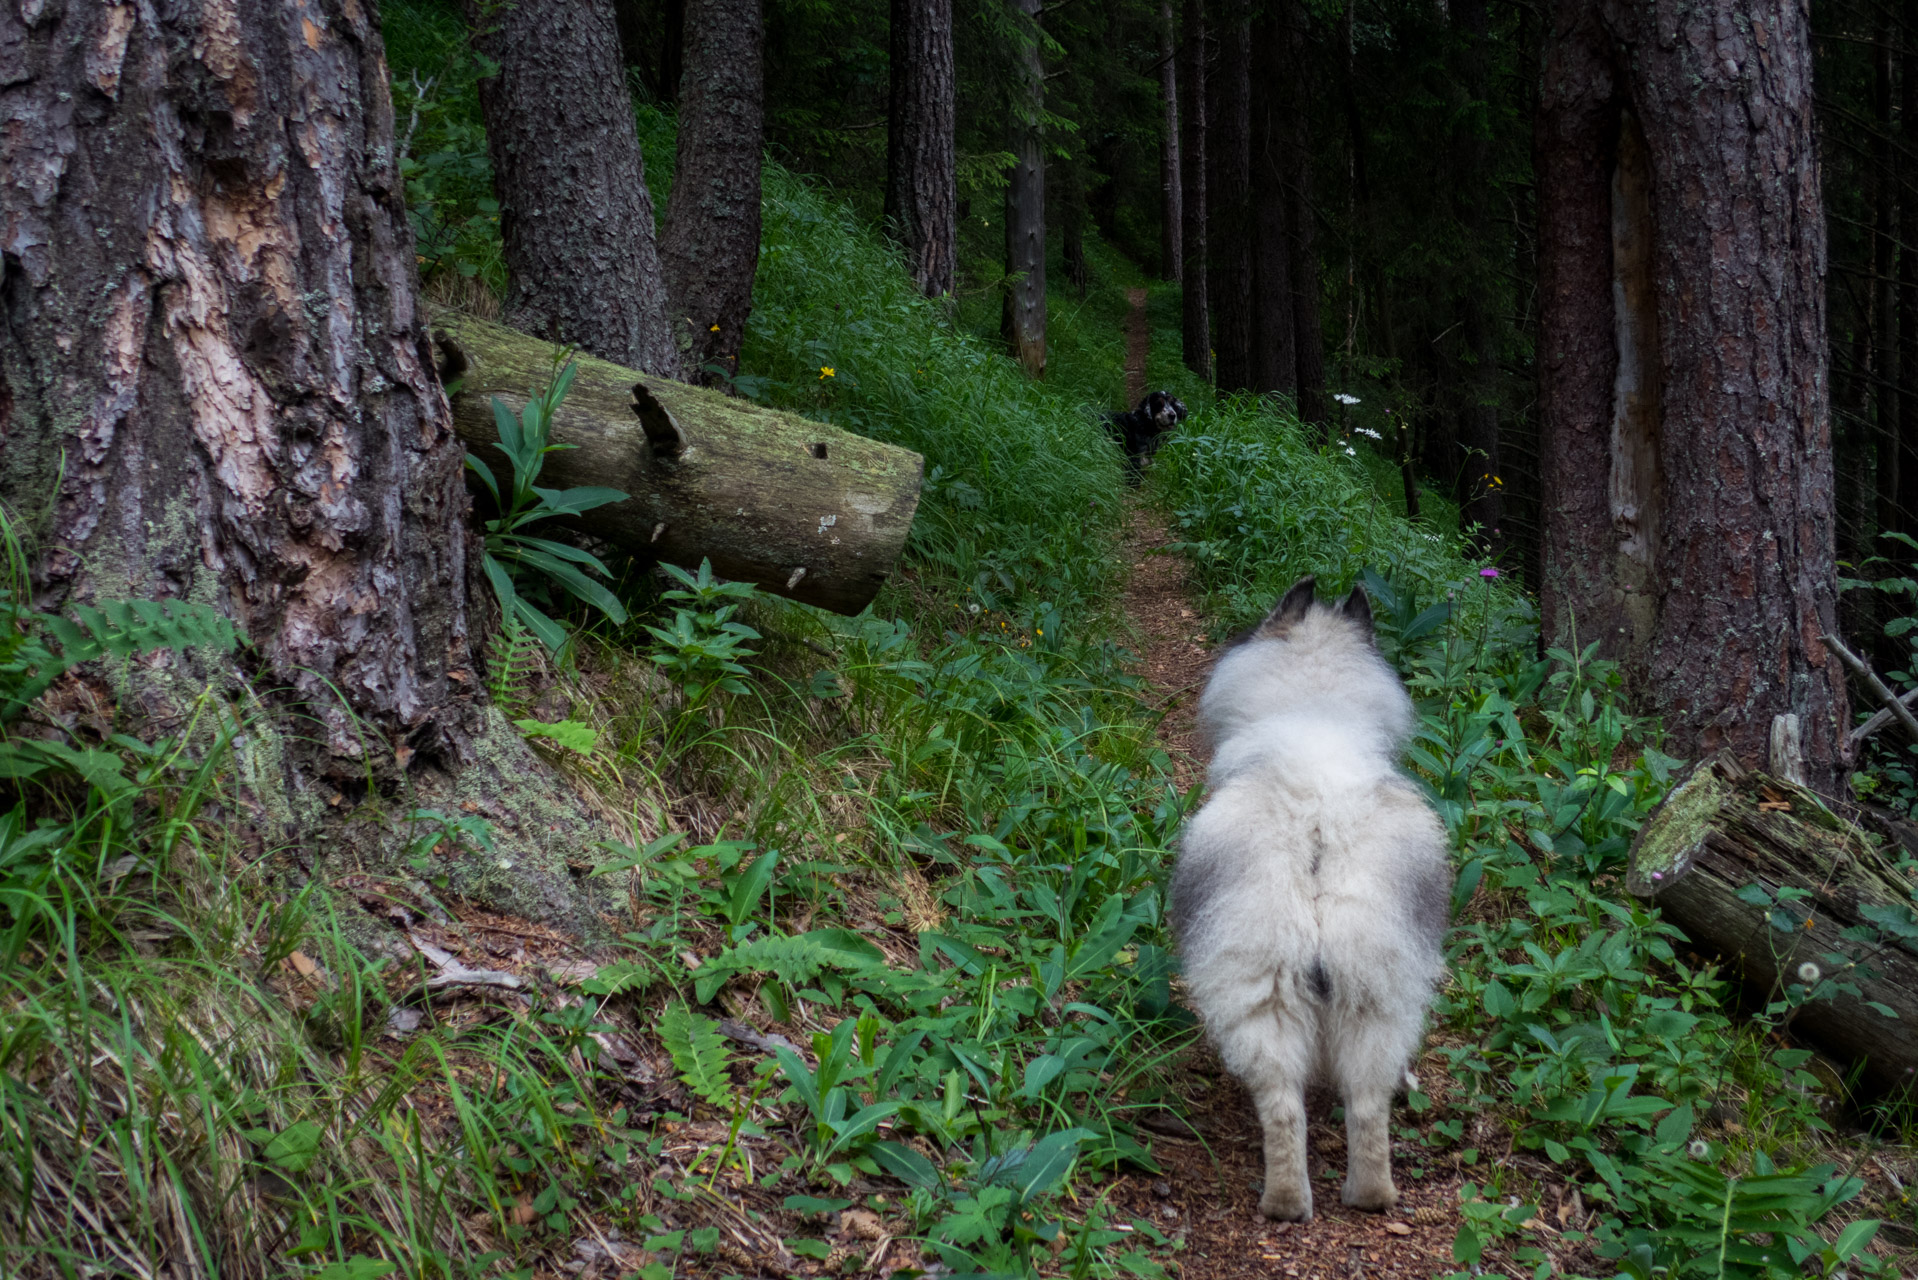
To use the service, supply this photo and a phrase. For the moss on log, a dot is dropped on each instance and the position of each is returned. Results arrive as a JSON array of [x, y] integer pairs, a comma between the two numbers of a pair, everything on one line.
[[1723, 829], [800, 508]]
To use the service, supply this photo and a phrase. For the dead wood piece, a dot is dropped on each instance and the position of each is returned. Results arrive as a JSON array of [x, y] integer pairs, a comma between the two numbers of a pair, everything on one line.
[[452, 973], [759, 1040], [1723, 829], [799, 508], [1870, 677]]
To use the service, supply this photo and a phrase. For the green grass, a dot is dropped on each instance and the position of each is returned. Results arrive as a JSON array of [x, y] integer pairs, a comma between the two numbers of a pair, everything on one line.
[[926, 846]]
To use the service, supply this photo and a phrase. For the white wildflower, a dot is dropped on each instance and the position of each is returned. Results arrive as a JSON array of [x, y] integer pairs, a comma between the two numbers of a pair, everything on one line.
[[1342, 398], [1350, 452], [1809, 973], [1367, 431], [1700, 1148]]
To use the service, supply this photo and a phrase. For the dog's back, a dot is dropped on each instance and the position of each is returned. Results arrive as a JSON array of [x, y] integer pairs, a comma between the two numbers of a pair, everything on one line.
[[1311, 890]]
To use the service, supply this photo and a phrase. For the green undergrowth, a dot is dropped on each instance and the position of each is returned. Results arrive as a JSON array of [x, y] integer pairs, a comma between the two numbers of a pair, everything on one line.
[[893, 972]]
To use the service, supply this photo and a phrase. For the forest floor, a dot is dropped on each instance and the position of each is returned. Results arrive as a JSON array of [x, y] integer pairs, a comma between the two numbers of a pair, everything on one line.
[[1211, 1183]]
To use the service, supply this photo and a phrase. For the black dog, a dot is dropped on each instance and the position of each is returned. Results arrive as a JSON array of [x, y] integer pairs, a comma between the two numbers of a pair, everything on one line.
[[1140, 431]]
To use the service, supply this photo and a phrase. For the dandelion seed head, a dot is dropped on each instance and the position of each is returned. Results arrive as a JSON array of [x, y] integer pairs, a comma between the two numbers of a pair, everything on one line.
[[1700, 1148], [1809, 973]]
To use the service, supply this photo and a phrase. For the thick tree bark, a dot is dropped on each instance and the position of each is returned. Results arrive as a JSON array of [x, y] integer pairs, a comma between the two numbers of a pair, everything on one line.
[[798, 507], [921, 186], [709, 250], [1481, 485], [576, 221], [213, 364], [1308, 341], [1708, 563], [1897, 483], [1228, 198], [1195, 331], [218, 389], [1273, 362], [1171, 228], [1024, 320], [1723, 830], [1908, 281]]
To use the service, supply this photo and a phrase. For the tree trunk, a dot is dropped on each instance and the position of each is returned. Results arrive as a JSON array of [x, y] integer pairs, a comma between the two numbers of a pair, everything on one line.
[[1908, 280], [1301, 214], [1895, 484], [1025, 305], [217, 387], [709, 250], [921, 186], [1481, 488], [576, 221], [1171, 229], [1709, 565], [1724, 830], [1195, 332], [1228, 199], [1273, 362]]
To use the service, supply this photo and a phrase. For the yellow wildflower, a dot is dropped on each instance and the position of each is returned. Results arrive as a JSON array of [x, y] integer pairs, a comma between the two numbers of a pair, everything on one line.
[[825, 371]]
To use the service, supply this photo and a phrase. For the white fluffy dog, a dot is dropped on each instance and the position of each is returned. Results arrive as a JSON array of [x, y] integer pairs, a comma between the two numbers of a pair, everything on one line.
[[1312, 889]]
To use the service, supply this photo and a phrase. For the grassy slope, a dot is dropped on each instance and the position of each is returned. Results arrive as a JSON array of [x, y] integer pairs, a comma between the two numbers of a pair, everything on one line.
[[925, 845]]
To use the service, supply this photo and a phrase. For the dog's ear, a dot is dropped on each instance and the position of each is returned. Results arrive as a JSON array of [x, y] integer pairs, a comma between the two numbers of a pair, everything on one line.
[[1358, 607], [1290, 608]]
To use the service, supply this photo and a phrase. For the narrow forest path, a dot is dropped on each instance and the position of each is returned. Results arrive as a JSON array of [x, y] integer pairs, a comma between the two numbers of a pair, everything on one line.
[[1137, 338], [1210, 1186]]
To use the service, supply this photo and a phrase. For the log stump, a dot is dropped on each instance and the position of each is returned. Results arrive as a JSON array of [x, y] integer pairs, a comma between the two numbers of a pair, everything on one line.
[[1724, 830]]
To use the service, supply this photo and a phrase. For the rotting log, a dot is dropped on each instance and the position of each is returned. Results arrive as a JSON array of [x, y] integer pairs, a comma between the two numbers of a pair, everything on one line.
[[800, 508], [1725, 828]]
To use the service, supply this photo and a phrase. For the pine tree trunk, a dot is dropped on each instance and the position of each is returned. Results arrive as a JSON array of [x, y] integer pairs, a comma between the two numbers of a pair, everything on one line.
[[576, 221], [210, 430], [1703, 462], [1228, 199], [1897, 483], [1481, 485], [1908, 278], [1308, 340], [1025, 304], [217, 387], [921, 187], [1171, 246], [709, 250], [1195, 332], [1274, 355]]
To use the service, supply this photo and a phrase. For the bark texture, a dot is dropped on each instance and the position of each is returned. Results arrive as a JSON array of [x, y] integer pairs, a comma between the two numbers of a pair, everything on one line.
[[1228, 199], [1171, 229], [921, 185], [800, 508], [208, 308], [1195, 331], [576, 221], [709, 250], [1308, 339], [1688, 440], [1724, 829], [220, 390], [1481, 487], [1273, 361], [1025, 307]]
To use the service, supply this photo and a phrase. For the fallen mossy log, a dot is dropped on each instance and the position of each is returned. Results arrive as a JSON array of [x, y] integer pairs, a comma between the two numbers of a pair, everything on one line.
[[800, 508], [1759, 871]]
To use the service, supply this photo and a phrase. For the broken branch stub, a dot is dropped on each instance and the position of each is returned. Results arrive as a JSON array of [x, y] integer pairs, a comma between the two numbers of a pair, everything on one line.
[[800, 508]]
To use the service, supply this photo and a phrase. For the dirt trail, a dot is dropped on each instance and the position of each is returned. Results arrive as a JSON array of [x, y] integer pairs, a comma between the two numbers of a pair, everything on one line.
[[1209, 1189], [1136, 338]]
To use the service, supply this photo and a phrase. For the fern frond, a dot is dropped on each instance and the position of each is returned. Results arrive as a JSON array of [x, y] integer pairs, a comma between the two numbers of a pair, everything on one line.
[[514, 660], [699, 1051], [121, 628], [797, 959]]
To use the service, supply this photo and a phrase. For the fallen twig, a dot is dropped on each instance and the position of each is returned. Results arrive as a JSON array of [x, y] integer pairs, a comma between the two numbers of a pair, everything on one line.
[[1885, 695]]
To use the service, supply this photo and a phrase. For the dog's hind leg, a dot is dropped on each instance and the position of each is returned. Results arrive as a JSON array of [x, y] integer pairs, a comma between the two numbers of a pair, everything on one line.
[[1271, 1055], [1369, 1067]]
